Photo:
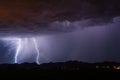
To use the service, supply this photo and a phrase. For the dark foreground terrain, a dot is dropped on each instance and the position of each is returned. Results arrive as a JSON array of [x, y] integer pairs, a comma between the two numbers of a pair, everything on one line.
[[72, 70]]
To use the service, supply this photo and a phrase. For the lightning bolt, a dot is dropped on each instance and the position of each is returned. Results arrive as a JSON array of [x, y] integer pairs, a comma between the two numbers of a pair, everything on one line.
[[18, 49], [20, 46], [37, 50]]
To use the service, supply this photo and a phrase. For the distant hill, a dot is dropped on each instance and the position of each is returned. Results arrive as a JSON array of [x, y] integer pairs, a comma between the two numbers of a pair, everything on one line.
[[61, 70]]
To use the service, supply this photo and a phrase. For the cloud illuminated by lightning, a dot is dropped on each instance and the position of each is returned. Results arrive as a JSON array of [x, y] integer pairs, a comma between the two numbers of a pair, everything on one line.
[[24, 47]]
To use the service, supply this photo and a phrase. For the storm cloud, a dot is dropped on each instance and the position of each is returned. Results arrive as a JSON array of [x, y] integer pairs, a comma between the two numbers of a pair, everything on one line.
[[29, 17], [85, 30]]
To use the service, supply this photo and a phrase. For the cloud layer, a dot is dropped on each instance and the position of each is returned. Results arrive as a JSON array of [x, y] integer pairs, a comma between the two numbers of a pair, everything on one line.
[[27, 17]]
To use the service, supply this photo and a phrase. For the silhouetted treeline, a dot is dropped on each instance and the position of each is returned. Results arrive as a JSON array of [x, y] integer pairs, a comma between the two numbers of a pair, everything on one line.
[[76, 65], [74, 70]]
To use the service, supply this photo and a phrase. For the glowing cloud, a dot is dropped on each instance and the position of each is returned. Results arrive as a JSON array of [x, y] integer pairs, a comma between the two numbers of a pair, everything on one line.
[[24, 47]]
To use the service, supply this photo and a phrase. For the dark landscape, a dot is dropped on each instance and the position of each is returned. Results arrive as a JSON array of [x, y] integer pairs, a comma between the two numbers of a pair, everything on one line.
[[60, 39], [61, 71]]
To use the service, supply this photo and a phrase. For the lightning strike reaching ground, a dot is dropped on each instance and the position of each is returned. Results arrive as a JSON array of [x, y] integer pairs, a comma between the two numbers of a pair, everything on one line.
[[18, 49], [37, 50], [24, 48]]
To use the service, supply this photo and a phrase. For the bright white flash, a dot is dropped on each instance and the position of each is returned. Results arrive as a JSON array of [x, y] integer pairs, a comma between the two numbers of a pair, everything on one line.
[[19, 44], [37, 50], [24, 48]]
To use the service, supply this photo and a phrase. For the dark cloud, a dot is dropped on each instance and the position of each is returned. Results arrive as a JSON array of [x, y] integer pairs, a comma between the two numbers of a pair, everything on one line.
[[89, 42], [48, 16], [92, 44], [30, 29], [49, 10], [93, 27]]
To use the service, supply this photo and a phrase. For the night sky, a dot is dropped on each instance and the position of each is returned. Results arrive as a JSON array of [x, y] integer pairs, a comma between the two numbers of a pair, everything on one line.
[[84, 30]]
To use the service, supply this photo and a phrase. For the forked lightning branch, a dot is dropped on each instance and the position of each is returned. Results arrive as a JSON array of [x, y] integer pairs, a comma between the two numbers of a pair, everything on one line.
[[24, 45]]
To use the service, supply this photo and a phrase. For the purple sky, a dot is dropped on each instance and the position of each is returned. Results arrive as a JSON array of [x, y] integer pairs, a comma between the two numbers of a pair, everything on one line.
[[85, 30]]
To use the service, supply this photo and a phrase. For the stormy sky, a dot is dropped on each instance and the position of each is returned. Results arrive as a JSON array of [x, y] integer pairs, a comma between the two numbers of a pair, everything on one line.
[[84, 30]]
